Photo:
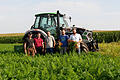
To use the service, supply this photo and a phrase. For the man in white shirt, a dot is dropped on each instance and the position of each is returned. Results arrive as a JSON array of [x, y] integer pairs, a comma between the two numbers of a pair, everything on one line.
[[49, 43], [76, 38]]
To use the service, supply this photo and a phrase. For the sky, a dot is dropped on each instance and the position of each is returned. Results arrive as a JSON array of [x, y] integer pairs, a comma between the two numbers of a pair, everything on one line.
[[17, 16]]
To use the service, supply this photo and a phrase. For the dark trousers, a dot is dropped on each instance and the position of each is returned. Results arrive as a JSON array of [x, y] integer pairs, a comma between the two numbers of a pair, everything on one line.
[[49, 50], [39, 50]]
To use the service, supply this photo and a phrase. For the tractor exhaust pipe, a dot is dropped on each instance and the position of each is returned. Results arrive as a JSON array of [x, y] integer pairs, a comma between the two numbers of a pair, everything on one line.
[[58, 24]]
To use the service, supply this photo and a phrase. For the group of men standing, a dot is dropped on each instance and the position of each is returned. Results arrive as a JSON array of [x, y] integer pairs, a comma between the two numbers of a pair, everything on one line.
[[36, 45]]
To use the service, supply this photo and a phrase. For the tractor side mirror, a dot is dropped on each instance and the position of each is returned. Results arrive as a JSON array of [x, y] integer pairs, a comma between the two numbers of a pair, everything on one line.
[[73, 25], [32, 27], [70, 18]]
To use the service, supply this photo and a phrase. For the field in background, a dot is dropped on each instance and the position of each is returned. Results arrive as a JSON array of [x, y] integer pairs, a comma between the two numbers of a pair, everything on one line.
[[100, 36], [21, 34], [12, 34], [105, 30]]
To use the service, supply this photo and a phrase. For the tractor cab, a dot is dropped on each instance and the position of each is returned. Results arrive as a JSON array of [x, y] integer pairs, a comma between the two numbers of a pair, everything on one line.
[[49, 22]]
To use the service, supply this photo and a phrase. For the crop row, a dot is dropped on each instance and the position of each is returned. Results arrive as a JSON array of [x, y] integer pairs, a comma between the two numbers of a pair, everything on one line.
[[59, 67], [111, 36], [107, 37], [11, 39], [91, 66]]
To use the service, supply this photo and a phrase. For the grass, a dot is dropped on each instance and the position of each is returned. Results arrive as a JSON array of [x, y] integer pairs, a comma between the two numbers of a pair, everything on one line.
[[112, 48], [102, 65]]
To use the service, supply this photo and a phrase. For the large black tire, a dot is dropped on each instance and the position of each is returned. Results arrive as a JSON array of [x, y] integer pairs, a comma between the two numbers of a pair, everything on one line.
[[84, 47], [95, 45]]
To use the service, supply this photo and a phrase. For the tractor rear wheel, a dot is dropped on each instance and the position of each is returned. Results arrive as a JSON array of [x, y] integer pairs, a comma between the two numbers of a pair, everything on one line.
[[84, 47]]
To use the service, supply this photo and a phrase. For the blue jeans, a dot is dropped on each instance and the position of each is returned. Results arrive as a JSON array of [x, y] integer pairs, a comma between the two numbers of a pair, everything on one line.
[[63, 50], [49, 50]]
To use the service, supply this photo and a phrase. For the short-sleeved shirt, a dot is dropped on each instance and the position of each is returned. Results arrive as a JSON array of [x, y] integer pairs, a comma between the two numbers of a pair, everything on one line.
[[29, 42], [63, 40], [49, 41], [38, 42], [76, 37]]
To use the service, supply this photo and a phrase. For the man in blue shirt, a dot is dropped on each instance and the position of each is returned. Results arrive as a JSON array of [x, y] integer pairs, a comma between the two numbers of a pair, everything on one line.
[[64, 42]]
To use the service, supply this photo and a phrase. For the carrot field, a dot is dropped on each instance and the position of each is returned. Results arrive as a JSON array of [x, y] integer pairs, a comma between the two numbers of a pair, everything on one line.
[[101, 65]]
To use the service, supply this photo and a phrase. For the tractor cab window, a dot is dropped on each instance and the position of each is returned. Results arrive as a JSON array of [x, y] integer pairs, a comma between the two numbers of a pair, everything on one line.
[[43, 22], [48, 23], [37, 22], [63, 22]]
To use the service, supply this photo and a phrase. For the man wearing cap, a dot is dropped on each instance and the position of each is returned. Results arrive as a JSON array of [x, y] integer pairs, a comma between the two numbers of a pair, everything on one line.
[[76, 38], [29, 46]]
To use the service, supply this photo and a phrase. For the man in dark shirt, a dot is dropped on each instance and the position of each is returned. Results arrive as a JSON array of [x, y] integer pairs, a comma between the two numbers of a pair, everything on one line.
[[29, 46]]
